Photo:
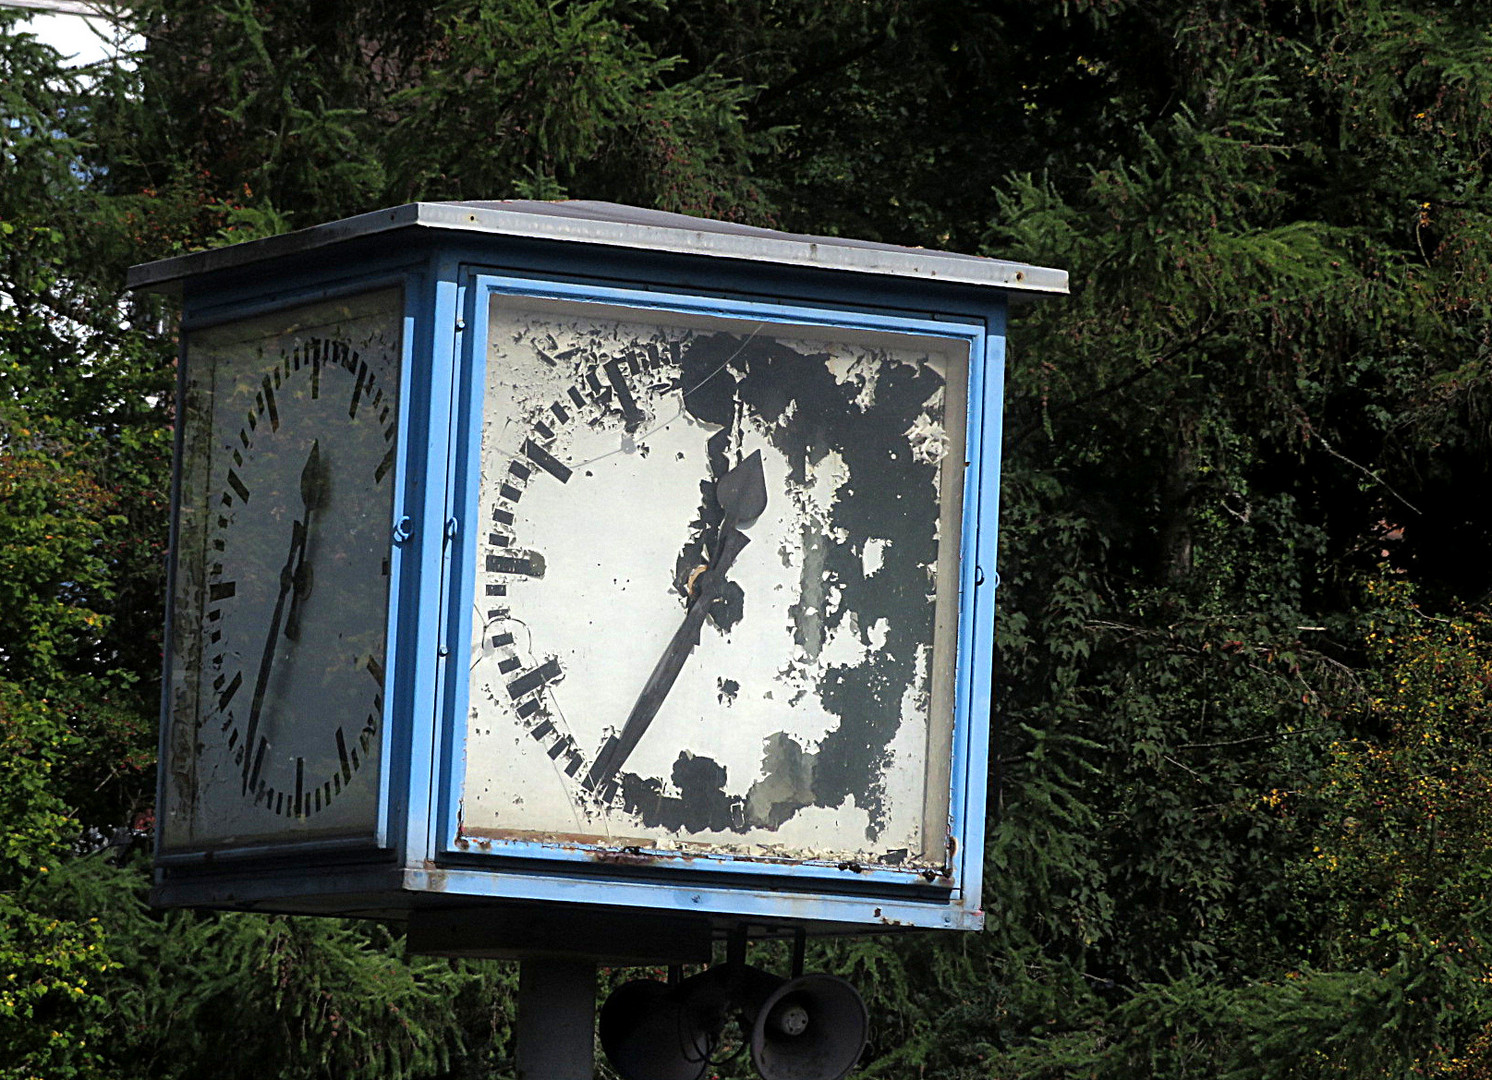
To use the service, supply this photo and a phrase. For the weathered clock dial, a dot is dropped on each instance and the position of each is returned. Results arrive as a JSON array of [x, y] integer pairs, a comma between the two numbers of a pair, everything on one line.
[[717, 588], [283, 573]]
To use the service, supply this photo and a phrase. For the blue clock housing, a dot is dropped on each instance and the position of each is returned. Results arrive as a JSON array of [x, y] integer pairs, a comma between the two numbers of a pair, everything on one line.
[[626, 577]]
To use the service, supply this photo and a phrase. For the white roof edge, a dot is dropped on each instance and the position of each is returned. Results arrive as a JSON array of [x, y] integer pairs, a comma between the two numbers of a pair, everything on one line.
[[613, 225], [155, 275]]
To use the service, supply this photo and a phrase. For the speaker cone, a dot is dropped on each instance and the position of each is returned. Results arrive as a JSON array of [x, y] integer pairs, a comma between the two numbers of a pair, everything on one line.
[[813, 1027], [649, 1033]]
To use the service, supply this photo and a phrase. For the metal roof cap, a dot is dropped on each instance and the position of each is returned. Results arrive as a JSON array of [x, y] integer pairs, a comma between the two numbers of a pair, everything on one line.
[[614, 225]]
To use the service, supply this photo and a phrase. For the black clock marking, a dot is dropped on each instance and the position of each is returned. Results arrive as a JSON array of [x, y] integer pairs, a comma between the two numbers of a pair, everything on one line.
[[543, 458], [357, 389], [519, 566], [226, 697], [631, 414], [530, 681], [269, 401], [321, 772], [386, 462]]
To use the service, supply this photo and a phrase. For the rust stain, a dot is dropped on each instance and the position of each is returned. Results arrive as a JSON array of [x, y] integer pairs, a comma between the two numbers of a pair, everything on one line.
[[627, 856], [641, 851], [564, 839]]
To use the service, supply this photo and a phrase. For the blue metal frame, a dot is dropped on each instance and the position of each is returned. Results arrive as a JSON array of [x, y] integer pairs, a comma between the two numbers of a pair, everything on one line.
[[966, 797], [431, 676], [977, 618]]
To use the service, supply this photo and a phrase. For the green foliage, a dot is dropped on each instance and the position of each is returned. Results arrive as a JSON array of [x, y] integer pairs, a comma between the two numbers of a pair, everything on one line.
[[52, 522], [51, 966], [535, 98], [257, 114], [238, 995], [1308, 1025], [51, 1015], [1239, 798], [1402, 849]]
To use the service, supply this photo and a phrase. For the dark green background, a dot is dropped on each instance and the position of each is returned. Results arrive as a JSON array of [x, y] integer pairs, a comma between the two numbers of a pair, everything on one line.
[[1239, 800]]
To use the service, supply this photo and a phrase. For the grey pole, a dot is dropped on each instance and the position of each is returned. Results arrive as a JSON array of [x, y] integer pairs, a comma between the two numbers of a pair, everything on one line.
[[556, 1019]]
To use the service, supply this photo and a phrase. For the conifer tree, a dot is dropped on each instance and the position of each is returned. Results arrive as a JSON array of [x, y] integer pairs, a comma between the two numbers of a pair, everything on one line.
[[1236, 828]]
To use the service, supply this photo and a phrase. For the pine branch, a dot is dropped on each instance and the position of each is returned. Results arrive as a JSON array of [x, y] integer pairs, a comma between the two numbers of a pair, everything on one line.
[[1334, 452], [1208, 327]]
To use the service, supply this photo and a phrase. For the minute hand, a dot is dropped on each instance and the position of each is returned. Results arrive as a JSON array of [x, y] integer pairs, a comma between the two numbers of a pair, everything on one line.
[[742, 494], [311, 490], [252, 761]]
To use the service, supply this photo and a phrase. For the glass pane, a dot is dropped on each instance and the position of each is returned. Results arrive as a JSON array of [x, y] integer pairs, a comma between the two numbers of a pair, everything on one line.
[[717, 585], [282, 575]]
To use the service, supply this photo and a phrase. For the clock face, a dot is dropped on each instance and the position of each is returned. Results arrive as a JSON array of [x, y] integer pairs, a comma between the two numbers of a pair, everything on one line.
[[283, 574], [717, 584]]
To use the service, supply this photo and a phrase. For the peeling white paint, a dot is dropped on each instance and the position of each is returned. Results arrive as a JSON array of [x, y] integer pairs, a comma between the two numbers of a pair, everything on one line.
[[612, 540], [929, 440]]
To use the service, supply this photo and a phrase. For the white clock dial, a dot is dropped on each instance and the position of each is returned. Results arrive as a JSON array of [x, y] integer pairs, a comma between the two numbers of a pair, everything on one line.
[[714, 590], [283, 573]]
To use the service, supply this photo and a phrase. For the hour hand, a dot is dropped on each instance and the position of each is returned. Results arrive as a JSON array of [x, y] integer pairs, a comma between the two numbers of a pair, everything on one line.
[[742, 494], [313, 485]]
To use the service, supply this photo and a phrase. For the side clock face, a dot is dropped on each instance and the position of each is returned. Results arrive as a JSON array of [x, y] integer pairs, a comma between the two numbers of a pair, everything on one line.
[[283, 574], [717, 589]]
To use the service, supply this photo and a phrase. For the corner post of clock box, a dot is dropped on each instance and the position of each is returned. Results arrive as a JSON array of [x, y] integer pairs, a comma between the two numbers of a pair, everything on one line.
[[556, 1019]]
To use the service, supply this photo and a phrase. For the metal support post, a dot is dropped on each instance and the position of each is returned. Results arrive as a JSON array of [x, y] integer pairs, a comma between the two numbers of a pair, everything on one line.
[[556, 1019]]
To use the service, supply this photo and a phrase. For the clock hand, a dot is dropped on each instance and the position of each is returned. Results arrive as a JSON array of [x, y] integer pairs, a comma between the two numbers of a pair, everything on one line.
[[742, 494], [294, 575], [251, 760], [312, 497]]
